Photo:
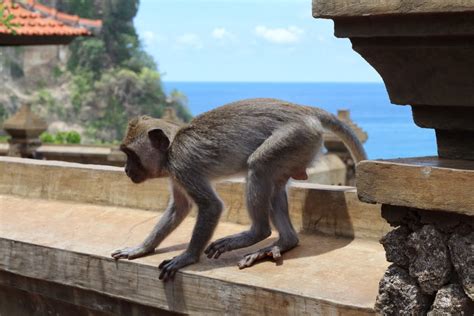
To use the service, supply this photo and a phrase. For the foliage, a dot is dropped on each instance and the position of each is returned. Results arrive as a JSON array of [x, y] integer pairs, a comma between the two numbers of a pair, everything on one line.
[[112, 78], [6, 19], [70, 137], [3, 113]]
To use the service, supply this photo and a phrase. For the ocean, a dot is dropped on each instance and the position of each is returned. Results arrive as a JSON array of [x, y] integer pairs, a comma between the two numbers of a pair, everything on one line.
[[392, 133]]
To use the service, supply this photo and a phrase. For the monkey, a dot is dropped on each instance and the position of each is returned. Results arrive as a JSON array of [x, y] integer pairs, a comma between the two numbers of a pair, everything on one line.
[[268, 140]]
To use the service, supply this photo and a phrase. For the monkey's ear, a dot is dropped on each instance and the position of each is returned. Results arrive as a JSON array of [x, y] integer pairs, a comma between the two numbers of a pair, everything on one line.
[[158, 139]]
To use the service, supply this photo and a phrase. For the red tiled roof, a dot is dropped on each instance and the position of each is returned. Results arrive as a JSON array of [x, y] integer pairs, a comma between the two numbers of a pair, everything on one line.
[[35, 19]]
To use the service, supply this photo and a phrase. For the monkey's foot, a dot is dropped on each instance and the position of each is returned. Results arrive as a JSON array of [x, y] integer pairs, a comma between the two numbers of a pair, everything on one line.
[[241, 240], [170, 267], [131, 252], [267, 252]]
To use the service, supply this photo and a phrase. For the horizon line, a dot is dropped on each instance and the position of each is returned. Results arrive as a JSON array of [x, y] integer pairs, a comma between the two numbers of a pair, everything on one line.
[[273, 82]]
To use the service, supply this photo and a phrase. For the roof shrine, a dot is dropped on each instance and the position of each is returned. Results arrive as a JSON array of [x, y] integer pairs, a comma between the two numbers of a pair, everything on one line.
[[38, 24]]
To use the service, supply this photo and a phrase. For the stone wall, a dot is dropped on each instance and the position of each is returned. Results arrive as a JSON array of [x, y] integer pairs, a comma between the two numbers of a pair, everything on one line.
[[432, 260]]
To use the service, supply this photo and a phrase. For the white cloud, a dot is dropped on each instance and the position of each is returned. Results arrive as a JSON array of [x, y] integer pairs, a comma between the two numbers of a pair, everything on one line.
[[149, 37], [221, 33], [289, 35], [190, 40]]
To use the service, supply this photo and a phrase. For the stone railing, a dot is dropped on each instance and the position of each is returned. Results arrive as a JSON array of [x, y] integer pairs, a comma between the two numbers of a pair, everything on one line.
[[60, 221]]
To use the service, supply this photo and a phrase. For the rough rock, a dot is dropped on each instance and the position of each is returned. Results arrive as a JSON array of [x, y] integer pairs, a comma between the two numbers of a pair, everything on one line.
[[429, 258], [401, 216], [394, 244], [462, 256], [451, 300], [446, 222], [400, 295]]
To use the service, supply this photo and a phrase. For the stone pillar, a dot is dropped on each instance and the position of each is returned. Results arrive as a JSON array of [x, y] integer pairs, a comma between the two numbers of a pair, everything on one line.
[[169, 114], [424, 51], [24, 128]]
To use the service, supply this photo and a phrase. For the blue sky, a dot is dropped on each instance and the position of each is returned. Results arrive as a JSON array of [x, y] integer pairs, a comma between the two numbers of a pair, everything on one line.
[[243, 40]]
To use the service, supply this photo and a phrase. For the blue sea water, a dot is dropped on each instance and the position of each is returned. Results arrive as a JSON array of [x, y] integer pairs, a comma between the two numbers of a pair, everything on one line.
[[391, 130]]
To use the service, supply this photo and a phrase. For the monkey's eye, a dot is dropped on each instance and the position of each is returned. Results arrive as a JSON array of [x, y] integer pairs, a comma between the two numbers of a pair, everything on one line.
[[126, 151], [130, 154]]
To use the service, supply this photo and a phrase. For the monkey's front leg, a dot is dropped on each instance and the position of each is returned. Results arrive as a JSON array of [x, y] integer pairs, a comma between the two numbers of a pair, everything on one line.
[[209, 210], [178, 207]]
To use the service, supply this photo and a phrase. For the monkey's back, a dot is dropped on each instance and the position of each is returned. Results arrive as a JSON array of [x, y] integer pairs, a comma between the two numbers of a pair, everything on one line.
[[230, 134]]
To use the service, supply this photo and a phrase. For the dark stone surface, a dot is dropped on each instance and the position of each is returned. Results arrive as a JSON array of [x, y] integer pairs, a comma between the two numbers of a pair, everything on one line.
[[451, 300], [394, 244], [400, 295], [26, 296], [454, 144], [429, 258], [401, 215], [462, 255], [446, 222]]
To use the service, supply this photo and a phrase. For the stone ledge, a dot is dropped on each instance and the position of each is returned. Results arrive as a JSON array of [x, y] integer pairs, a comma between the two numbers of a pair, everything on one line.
[[428, 183], [351, 8], [69, 243], [333, 210]]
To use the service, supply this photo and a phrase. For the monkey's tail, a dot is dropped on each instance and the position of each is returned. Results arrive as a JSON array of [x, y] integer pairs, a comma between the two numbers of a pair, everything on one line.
[[344, 132]]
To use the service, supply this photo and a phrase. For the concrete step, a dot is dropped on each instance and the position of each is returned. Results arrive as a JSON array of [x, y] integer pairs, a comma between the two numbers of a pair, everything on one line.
[[429, 183], [68, 243]]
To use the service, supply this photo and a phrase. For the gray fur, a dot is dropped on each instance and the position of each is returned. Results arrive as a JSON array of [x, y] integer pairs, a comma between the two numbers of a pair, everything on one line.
[[269, 140]]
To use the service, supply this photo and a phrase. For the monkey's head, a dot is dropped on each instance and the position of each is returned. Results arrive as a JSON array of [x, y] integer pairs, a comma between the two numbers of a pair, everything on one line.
[[146, 145]]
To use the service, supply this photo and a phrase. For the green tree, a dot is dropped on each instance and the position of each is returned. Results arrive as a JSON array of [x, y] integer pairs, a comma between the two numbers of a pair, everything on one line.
[[113, 78]]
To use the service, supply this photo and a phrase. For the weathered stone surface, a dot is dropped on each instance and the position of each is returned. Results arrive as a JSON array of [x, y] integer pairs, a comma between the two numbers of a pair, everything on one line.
[[400, 295], [313, 207], [455, 144], [444, 64], [415, 25], [462, 256], [451, 300], [429, 258], [428, 183], [441, 117], [342, 8], [322, 276], [394, 244]]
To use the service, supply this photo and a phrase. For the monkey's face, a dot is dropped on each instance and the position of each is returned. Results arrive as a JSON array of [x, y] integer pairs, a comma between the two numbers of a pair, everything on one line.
[[146, 154], [134, 167]]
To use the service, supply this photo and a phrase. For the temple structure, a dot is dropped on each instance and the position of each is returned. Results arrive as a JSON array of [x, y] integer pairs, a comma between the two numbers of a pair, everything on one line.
[[37, 24], [424, 51]]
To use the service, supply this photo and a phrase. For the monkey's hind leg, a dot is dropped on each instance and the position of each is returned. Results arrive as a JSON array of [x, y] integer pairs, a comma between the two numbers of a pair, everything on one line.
[[285, 153], [281, 220], [290, 150], [258, 204]]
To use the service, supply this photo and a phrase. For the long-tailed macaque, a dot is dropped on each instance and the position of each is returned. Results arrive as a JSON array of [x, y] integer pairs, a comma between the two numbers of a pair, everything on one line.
[[268, 140]]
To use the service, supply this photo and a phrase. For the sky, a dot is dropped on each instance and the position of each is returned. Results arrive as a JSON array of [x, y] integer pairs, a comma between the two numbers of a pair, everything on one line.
[[246, 41]]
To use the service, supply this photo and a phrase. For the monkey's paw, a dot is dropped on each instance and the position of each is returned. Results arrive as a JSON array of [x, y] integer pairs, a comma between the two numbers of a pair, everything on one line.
[[131, 252], [267, 252], [171, 266]]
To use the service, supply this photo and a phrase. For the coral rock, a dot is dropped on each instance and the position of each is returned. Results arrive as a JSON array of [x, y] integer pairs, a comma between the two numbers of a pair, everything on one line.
[[462, 256], [400, 295], [429, 258], [451, 300], [394, 244]]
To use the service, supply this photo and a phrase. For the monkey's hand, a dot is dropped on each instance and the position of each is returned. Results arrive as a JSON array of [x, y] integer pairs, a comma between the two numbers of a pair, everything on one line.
[[169, 267], [132, 252]]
